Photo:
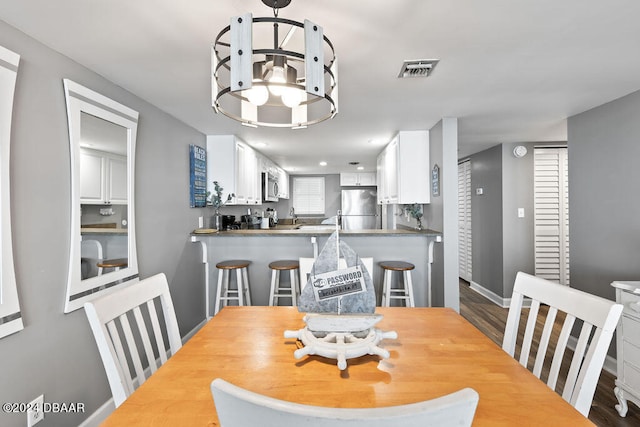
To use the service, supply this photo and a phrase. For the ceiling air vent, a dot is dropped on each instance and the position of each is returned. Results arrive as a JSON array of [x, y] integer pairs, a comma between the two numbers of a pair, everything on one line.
[[417, 68]]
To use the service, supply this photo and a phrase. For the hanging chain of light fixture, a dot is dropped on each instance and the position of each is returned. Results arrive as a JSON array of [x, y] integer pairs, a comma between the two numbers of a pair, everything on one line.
[[290, 83]]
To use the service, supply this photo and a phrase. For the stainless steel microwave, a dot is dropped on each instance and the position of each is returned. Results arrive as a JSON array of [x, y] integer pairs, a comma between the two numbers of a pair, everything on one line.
[[269, 187]]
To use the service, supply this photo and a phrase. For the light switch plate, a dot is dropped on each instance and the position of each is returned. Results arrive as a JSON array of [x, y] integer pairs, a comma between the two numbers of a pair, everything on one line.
[[520, 212]]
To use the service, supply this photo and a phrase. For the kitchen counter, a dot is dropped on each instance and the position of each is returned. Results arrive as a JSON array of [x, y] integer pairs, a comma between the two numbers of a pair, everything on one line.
[[262, 246], [292, 230], [94, 230]]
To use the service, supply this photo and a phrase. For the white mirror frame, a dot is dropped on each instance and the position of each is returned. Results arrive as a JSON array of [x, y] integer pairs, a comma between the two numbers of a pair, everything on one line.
[[10, 316], [80, 99]]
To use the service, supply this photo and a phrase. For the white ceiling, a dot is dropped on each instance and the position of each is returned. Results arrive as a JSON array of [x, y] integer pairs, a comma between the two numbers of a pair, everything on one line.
[[510, 70]]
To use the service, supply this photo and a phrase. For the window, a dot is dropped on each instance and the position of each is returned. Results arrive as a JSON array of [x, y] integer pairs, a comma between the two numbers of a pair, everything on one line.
[[308, 195]]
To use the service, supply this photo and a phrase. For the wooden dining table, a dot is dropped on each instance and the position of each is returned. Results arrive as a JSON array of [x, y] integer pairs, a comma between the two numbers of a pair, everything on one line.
[[437, 352]]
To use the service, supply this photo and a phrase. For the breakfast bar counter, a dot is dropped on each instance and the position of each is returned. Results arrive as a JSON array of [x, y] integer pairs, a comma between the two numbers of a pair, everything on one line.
[[262, 246], [314, 230]]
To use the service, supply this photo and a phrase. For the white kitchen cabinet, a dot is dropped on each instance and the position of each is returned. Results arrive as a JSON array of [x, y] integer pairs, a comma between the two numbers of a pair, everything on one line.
[[628, 345], [380, 177], [403, 169], [117, 180], [234, 165], [103, 178], [348, 179], [283, 184], [391, 168]]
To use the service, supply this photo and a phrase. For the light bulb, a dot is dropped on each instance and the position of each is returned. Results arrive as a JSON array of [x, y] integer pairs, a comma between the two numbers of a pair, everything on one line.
[[277, 76], [257, 95], [291, 97]]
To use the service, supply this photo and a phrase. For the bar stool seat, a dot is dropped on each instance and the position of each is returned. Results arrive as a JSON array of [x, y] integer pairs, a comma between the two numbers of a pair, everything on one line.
[[116, 263], [405, 291], [224, 293], [278, 291]]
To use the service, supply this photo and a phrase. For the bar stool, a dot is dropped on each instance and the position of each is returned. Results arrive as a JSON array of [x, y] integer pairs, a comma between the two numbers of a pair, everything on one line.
[[116, 263], [223, 292], [278, 291], [405, 292]]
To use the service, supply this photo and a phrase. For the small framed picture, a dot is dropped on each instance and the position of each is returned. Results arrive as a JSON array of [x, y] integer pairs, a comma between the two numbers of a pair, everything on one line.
[[197, 177], [435, 180]]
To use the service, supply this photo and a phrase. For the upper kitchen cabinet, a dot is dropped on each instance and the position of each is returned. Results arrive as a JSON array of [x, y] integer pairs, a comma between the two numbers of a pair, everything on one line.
[[283, 184], [348, 179], [103, 177], [403, 169], [234, 165], [266, 165]]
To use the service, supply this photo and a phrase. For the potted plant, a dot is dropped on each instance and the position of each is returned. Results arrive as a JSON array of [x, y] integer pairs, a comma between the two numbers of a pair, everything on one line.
[[215, 200], [415, 211]]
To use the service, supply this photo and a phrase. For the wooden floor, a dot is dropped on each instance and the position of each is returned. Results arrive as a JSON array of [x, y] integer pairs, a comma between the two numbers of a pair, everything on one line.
[[491, 319]]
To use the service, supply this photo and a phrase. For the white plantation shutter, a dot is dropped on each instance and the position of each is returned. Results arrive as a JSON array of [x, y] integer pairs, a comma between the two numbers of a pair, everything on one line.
[[464, 220], [551, 214], [308, 195]]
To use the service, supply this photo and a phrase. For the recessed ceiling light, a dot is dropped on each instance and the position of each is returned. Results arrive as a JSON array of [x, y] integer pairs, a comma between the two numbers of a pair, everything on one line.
[[360, 168], [261, 144], [323, 163]]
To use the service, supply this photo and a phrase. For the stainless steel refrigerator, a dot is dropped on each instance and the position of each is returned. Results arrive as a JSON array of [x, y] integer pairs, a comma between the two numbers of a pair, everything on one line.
[[360, 210]]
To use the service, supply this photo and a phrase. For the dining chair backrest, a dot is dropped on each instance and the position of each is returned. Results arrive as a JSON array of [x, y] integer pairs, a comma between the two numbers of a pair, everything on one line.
[[306, 264], [130, 313], [238, 407], [91, 251], [598, 316]]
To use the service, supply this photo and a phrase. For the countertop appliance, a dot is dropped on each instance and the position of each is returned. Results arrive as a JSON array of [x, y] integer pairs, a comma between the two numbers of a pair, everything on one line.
[[360, 210], [228, 221], [250, 221], [269, 187]]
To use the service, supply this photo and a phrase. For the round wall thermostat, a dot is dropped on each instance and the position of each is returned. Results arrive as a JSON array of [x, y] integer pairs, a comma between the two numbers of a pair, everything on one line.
[[520, 151]]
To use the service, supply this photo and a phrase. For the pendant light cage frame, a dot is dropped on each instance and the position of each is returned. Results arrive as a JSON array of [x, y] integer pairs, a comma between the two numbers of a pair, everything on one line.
[[249, 53]]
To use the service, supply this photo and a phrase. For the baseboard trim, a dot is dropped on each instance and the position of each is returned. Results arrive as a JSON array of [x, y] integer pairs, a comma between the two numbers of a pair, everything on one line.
[[101, 414], [192, 332], [490, 295], [610, 363]]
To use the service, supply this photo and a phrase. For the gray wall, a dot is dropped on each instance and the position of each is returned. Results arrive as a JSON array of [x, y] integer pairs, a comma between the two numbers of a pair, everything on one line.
[[503, 244], [518, 233], [604, 201], [434, 217], [449, 195], [56, 354], [486, 219], [442, 213]]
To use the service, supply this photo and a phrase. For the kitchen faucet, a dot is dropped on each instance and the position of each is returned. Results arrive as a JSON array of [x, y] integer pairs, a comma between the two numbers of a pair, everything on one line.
[[292, 213]]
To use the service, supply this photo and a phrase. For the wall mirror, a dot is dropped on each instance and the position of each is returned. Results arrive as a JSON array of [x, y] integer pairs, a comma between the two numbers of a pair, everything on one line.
[[102, 141], [10, 317]]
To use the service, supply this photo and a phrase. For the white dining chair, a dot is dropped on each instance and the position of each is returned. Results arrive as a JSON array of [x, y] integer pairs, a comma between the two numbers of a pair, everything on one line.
[[90, 254], [598, 317], [306, 264], [238, 407], [130, 313]]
